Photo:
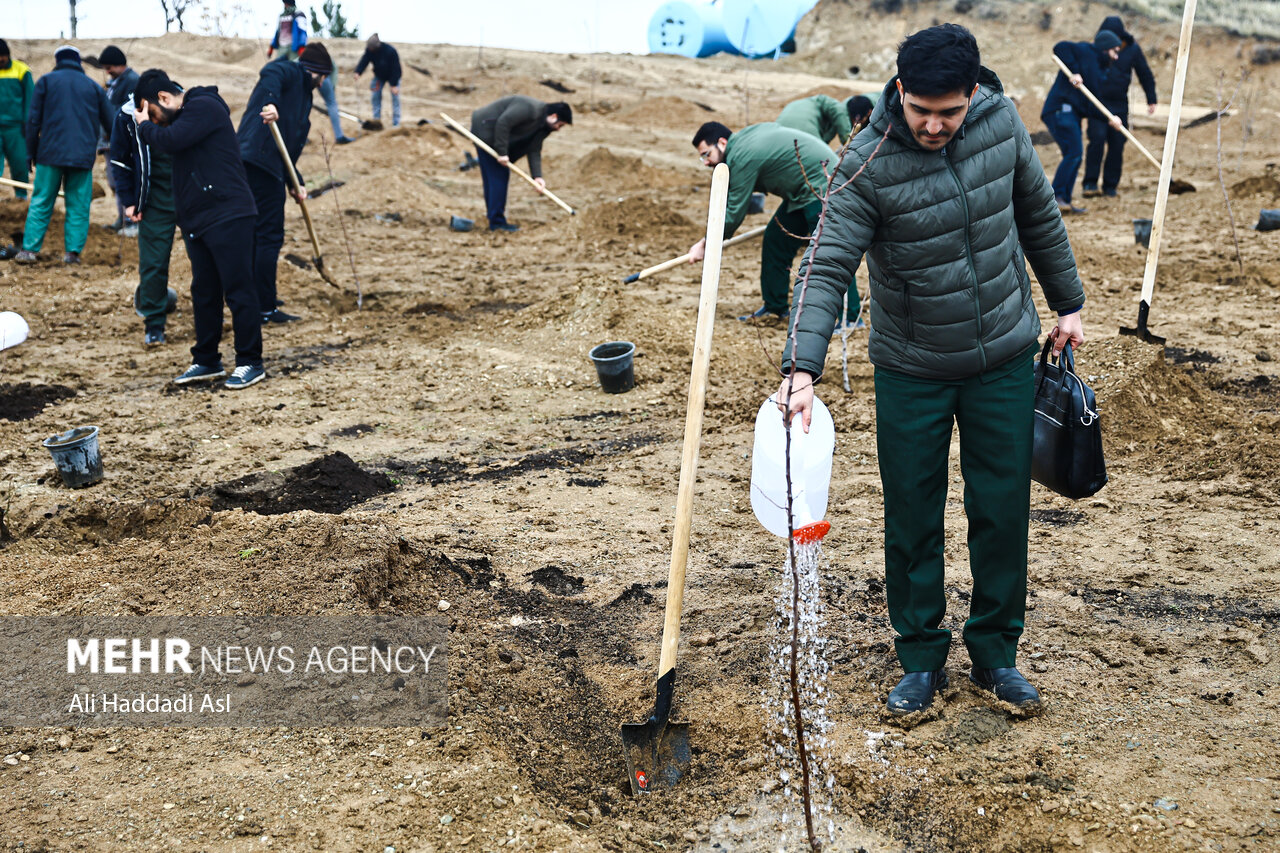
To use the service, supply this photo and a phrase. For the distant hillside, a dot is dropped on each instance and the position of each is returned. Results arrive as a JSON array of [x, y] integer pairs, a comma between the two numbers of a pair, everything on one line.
[[1256, 18]]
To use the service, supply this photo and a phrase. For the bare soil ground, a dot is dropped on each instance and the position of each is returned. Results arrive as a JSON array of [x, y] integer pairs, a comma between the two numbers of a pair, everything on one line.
[[490, 470]]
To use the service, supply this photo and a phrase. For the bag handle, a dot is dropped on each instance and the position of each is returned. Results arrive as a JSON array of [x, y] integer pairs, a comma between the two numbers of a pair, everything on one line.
[[1064, 359]]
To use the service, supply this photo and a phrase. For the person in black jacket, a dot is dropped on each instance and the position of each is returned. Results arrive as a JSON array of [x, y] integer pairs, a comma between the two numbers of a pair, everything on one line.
[[144, 185], [1066, 107], [386, 71], [283, 97], [68, 110], [216, 213], [120, 85], [1113, 91]]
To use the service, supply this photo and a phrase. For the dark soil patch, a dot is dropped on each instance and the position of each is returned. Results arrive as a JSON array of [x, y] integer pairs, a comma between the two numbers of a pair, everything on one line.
[[440, 471], [554, 580], [586, 482], [596, 416], [354, 431], [498, 306], [1168, 603], [329, 484], [298, 261], [977, 725], [24, 400], [1057, 517], [432, 308], [634, 593], [1183, 355]]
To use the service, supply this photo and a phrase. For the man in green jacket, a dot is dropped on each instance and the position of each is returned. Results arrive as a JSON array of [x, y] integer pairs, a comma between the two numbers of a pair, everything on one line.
[[515, 127], [825, 117], [944, 213], [762, 158], [16, 86]]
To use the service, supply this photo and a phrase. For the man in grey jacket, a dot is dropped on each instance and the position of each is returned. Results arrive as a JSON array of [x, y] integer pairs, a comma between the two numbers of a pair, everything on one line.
[[515, 127], [944, 213]]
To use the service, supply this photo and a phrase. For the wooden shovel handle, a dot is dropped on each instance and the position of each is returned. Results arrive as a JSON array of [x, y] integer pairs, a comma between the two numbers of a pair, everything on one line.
[[684, 259], [1106, 112], [293, 182], [480, 143], [25, 186], [693, 418]]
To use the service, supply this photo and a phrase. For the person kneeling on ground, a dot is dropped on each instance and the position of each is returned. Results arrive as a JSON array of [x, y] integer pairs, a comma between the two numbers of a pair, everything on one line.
[[513, 126], [954, 201], [762, 158], [216, 213]]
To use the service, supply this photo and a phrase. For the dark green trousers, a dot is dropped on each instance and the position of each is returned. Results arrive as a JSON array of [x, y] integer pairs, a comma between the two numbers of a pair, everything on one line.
[[13, 151], [786, 235], [155, 245], [914, 419]]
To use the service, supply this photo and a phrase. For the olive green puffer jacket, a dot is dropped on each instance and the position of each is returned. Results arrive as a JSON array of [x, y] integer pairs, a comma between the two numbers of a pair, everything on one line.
[[944, 234]]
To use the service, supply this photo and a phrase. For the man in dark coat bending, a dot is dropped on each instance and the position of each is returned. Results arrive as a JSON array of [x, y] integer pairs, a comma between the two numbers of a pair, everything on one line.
[[513, 126]]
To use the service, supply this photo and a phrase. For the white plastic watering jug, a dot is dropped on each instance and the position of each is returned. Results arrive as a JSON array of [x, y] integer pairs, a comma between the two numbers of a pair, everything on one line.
[[810, 470], [13, 329]]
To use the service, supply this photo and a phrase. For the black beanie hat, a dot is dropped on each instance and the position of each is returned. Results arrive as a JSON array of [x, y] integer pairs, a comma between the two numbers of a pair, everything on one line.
[[152, 82], [4, 48], [112, 55], [315, 57], [1105, 40]]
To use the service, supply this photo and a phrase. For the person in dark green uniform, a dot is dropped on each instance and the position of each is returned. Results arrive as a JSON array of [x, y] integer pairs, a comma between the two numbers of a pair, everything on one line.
[[825, 117], [16, 86], [144, 184], [762, 158], [948, 212]]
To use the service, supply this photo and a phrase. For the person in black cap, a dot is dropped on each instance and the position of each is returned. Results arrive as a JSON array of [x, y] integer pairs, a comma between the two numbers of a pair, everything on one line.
[[515, 127], [121, 81], [281, 97], [216, 213], [1114, 94], [1066, 107]]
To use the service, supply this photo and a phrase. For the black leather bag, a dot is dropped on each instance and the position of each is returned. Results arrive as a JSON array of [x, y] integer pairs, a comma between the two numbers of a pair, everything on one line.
[[1066, 454]]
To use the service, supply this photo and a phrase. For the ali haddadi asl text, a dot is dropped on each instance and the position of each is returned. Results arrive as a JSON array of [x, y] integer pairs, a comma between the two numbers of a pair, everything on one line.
[[154, 703]]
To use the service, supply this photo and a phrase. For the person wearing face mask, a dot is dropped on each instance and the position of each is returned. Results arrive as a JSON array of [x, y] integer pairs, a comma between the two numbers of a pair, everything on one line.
[[948, 212], [282, 97], [216, 214], [16, 87]]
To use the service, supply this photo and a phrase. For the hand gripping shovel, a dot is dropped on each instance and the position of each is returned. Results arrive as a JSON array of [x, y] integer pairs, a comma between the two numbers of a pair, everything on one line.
[[293, 182], [658, 749], [1166, 170]]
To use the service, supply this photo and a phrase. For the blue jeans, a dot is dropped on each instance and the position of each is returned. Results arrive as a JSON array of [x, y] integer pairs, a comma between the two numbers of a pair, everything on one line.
[[330, 94], [375, 86], [495, 177], [1065, 129]]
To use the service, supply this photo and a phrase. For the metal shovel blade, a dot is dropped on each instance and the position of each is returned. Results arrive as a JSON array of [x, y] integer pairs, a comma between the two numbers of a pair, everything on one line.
[[1142, 331], [657, 750]]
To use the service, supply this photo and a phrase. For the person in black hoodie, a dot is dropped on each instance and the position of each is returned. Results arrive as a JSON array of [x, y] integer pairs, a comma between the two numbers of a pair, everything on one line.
[[1113, 91], [144, 186], [216, 213], [283, 97]]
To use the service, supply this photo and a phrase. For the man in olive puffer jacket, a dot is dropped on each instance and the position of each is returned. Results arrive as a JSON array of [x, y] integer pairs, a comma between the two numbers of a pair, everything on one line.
[[944, 213]]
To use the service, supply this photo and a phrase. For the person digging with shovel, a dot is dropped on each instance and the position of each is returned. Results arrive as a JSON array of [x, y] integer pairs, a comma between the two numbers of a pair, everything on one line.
[[386, 72], [762, 158], [515, 127], [952, 202], [283, 96]]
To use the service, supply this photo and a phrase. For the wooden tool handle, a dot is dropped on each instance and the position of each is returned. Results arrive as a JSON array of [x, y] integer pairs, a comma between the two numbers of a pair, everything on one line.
[[25, 186], [483, 146], [693, 418], [1170, 145], [1106, 112], [293, 182], [684, 259]]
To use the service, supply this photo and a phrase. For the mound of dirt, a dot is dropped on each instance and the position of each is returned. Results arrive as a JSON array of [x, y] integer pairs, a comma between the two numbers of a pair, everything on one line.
[[24, 400], [628, 219], [329, 484], [1141, 396], [667, 111], [603, 168], [1257, 185]]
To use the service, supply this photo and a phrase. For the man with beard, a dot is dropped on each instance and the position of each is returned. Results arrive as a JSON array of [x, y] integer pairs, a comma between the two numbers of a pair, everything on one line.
[[281, 97], [216, 213], [947, 211]]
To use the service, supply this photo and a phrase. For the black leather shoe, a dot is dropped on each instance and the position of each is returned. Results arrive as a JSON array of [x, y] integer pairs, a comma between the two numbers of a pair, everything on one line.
[[915, 691], [1009, 685]]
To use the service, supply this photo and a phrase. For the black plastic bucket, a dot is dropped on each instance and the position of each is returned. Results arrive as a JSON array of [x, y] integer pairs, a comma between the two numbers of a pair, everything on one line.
[[1268, 220], [1142, 232], [756, 205], [615, 366], [76, 454]]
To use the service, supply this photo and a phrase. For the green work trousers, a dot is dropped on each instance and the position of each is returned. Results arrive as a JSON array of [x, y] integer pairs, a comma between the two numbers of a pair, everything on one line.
[[786, 235], [13, 151], [913, 439], [78, 186], [155, 244]]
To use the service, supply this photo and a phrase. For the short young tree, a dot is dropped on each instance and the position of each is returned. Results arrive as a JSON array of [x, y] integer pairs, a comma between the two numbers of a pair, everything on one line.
[[337, 26]]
